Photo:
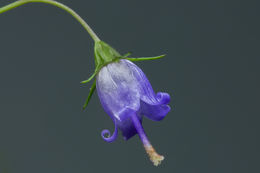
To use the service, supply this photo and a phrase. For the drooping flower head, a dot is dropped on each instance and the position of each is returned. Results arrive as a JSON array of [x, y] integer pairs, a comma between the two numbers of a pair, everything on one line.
[[123, 89], [126, 96]]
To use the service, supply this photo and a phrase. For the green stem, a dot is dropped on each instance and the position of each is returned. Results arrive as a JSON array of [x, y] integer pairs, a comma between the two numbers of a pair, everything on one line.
[[57, 4]]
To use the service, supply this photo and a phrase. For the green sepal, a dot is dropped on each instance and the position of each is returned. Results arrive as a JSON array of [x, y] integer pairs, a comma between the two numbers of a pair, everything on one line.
[[125, 55], [92, 89], [145, 58], [91, 77], [104, 54]]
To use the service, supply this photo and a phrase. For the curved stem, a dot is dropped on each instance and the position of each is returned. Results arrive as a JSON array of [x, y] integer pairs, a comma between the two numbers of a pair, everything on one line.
[[57, 4]]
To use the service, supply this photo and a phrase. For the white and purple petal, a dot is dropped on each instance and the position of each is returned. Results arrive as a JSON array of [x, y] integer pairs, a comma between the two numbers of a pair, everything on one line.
[[125, 91]]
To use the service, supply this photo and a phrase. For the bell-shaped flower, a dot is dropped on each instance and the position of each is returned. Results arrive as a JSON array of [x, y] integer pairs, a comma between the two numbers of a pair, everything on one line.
[[126, 96]]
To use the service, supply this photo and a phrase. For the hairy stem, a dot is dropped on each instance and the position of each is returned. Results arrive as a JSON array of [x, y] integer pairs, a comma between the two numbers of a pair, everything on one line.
[[57, 4]]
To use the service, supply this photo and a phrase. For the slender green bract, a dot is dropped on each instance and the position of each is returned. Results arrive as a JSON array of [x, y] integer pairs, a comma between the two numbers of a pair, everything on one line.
[[92, 89], [90, 78], [145, 58]]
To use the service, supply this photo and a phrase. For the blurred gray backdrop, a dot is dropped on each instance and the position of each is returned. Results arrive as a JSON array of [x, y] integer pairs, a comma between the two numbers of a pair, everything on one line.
[[211, 72]]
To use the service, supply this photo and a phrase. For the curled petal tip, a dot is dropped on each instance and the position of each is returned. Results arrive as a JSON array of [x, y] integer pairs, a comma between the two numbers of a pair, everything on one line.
[[106, 135], [163, 98]]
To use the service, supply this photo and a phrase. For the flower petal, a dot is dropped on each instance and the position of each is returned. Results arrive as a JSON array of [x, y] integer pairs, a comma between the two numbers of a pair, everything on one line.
[[154, 112], [124, 91], [126, 124], [110, 138], [154, 106], [117, 89]]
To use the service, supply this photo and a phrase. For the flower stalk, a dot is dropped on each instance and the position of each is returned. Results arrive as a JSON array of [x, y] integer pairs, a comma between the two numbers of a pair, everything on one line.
[[57, 4]]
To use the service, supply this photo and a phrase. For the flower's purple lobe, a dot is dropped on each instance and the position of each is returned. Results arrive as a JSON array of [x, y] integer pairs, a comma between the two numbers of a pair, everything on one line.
[[126, 95]]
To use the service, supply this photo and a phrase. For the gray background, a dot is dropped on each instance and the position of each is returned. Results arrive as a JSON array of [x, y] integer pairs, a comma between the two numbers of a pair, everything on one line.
[[211, 71]]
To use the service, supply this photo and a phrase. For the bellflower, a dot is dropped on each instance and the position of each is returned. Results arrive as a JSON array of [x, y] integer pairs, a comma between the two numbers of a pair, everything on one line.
[[126, 96], [123, 89]]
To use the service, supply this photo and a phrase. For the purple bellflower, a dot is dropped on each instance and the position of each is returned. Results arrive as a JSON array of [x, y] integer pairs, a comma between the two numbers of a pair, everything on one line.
[[123, 89], [126, 96]]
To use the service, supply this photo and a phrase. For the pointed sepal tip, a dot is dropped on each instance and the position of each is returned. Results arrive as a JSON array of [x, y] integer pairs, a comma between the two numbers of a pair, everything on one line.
[[145, 58], [92, 89]]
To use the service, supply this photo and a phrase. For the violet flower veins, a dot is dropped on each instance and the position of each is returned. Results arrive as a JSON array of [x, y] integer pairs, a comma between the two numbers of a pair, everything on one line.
[[126, 95]]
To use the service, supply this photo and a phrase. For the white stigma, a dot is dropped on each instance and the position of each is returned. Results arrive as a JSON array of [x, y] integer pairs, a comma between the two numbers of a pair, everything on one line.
[[154, 156]]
